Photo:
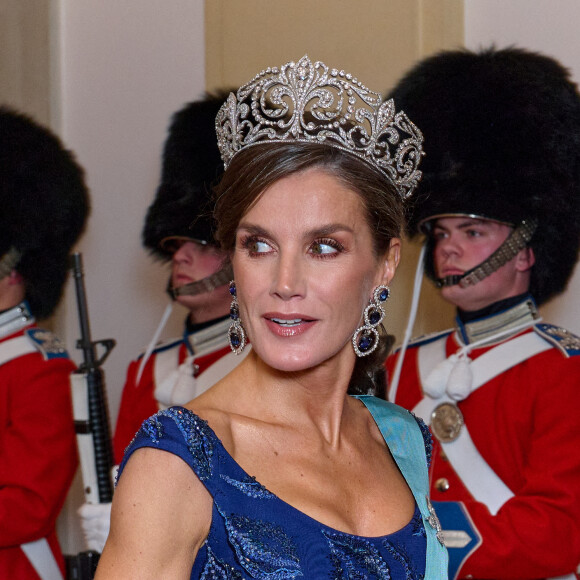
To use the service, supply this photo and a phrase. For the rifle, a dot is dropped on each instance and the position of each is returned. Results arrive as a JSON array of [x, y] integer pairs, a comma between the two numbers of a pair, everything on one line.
[[91, 422]]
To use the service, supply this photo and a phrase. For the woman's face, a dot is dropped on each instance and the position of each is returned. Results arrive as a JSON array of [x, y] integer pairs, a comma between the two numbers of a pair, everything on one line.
[[305, 270]]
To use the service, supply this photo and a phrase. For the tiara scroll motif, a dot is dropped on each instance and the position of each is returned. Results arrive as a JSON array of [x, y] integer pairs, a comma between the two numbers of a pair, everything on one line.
[[307, 102]]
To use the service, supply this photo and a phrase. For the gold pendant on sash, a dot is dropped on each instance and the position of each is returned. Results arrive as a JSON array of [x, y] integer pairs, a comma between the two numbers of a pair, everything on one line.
[[446, 422]]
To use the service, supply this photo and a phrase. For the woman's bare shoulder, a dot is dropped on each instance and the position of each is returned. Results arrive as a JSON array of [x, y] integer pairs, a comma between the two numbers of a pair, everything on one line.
[[160, 517], [222, 405], [217, 414]]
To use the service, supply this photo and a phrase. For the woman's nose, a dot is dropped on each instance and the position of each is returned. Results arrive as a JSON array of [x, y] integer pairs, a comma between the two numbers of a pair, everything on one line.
[[288, 278]]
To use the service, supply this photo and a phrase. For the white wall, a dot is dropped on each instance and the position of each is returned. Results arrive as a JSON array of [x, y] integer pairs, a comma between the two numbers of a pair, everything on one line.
[[125, 66], [549, 26]]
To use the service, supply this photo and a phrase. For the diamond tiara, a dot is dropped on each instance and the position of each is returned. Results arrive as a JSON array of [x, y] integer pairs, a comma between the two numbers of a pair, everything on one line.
[[308, 102]]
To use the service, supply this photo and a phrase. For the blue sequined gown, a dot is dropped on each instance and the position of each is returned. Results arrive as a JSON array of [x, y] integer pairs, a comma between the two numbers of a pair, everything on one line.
[[254, 534]]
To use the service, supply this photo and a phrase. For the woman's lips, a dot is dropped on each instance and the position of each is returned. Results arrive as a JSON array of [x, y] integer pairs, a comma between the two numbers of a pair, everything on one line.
[[287, 325]]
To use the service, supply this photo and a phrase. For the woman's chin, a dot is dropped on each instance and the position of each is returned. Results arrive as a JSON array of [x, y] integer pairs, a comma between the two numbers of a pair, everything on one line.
[[297, 359], [286, 360]]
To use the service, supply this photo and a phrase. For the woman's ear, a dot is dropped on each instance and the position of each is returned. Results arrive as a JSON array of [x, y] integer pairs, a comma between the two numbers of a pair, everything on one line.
[[389, 262]]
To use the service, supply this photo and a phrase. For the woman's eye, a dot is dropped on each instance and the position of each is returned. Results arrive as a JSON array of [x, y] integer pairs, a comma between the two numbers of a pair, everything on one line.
[[473, 233], [323, 248], [256, 246]]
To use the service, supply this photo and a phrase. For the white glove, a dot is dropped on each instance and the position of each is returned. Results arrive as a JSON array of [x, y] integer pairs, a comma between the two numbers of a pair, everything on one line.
[[95, 523]]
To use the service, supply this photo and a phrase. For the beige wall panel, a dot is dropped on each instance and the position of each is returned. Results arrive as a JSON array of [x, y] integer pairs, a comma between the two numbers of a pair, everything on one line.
[[441, 25], [350, 35], [378, 40], [24, 56]]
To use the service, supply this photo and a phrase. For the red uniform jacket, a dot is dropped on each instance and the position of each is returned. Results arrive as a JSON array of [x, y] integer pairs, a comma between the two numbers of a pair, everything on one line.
[[138, 402], [38, 456], [524, 423]]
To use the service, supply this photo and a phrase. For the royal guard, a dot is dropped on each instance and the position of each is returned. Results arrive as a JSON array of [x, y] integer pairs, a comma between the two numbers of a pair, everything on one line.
[[179, 229], [43, 208], [499, 206]]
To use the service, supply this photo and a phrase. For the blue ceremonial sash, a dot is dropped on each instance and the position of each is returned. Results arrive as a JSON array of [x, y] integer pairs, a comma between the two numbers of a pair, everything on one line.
[[404, 439]]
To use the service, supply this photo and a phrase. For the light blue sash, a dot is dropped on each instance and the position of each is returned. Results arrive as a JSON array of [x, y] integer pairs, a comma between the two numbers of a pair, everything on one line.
[[406, 444]]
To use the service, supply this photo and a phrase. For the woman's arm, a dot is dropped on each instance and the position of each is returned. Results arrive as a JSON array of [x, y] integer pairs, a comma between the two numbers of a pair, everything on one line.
[[160, 517]]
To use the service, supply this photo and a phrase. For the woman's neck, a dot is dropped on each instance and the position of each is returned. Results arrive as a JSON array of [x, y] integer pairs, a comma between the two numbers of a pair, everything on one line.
[[316, 396]]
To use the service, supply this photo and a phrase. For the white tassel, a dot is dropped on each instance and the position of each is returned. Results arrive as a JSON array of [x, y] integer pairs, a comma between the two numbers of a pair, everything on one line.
[[178, 387], [460, 379], [184, 389], [452, 376], [435, 383]]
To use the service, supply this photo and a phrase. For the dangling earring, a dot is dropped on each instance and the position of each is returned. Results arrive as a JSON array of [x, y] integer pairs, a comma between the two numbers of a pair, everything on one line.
[[236, 333], [366, 338]]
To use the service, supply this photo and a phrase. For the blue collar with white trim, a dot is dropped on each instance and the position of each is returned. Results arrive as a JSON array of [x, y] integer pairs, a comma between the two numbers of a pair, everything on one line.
[[488, 326]]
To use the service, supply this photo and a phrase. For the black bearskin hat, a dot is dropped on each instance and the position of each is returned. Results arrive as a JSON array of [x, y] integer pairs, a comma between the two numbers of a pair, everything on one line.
[[502, 141], [44, 204], [192, 165]]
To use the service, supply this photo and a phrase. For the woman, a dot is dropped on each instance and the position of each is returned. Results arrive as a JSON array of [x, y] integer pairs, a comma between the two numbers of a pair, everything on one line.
[[276, 471]]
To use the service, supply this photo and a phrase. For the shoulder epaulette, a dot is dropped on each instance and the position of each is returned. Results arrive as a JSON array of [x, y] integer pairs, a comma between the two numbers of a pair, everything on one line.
[[426, 338], [47, 343], [564, 340]]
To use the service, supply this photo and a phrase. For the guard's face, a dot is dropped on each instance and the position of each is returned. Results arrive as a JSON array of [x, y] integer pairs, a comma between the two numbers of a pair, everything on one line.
[[305, 270], [461, 243], [191, 262]]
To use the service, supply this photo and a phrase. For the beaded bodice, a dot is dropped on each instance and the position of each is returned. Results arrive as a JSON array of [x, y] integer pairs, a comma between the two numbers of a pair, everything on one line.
[[254, 534]]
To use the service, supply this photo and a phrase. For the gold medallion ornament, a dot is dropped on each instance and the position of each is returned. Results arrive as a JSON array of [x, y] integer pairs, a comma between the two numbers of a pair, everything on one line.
[[446, 422]]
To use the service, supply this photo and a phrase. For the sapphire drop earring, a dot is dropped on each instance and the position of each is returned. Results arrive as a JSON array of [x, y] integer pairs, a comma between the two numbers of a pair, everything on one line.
[[236, 333], [366, 338]]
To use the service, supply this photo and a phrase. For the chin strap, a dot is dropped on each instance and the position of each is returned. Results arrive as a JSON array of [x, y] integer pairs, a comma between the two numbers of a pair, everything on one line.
[[204, 285], [515, 242]]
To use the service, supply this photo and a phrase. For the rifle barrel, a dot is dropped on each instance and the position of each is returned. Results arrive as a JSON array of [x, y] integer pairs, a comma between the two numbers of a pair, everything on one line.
[[96, 394]]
